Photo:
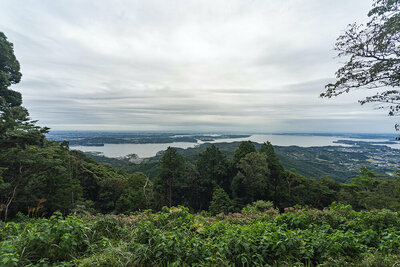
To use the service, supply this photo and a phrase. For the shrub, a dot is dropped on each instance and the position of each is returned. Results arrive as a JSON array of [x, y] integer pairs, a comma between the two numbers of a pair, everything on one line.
[[258, 207]]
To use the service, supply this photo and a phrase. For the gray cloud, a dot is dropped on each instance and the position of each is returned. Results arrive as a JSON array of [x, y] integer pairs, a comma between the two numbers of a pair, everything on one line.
[[185, 65]]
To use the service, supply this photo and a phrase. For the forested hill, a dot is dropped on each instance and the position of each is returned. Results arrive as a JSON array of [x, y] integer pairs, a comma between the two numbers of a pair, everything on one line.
[[337, 162]]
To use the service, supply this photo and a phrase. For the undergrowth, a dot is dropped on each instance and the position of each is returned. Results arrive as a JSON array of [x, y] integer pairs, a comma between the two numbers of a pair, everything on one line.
[[336, 236]]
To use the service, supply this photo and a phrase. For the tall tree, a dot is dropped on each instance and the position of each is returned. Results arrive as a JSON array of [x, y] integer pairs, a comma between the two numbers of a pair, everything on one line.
[[212, 167], [34, 169], [308, 191], [277, 172], [9, 72], [17, 131], [170, 182], [194, 188], [252, 181], [244, 148], [136, 195], [373, 52]]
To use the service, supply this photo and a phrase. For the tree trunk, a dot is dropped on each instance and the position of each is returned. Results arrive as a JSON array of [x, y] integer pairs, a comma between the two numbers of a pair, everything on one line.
[[10, 199]]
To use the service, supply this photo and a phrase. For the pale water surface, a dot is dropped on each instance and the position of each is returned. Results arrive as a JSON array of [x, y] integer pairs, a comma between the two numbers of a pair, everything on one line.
[[142, 150], [150, 150]]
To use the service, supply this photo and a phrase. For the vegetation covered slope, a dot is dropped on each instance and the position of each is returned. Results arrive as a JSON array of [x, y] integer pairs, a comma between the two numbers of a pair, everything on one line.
[[35, 170], [259, 236]]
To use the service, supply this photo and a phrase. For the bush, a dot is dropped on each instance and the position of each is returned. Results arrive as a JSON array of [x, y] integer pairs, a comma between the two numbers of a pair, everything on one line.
[[56, 239], [258, 207], [337, 236]]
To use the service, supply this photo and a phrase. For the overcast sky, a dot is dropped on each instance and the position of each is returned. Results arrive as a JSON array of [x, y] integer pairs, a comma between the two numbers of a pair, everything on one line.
[[233, 66]]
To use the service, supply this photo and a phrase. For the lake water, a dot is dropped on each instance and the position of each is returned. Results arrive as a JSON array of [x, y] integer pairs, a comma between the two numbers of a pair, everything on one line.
[[142, 150], [150, 150]]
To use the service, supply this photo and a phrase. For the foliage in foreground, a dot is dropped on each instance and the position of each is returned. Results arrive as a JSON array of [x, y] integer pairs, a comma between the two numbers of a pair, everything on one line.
[[335, 236]]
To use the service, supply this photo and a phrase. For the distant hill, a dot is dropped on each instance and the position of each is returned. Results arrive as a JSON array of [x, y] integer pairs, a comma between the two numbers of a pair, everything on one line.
[[337, 162]]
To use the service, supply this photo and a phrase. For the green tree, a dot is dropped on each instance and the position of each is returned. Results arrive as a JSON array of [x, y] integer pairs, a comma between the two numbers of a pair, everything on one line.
[[220, 202], [252, 180], [369, 191], [170, 182], [100, 182], [373, 57], [136, 195], [367, 180], [33, 169], [17, 131], [194, 188], [385, 195], [9, 73], [277, 172], [308, 191], [212, 167], [35, 173], [244, 148]]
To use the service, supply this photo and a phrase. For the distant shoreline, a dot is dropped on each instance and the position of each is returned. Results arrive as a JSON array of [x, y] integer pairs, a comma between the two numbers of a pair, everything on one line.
[[122, 144]]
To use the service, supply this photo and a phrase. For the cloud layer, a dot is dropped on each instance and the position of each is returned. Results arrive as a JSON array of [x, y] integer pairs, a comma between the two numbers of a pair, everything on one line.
[[222, 65]]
